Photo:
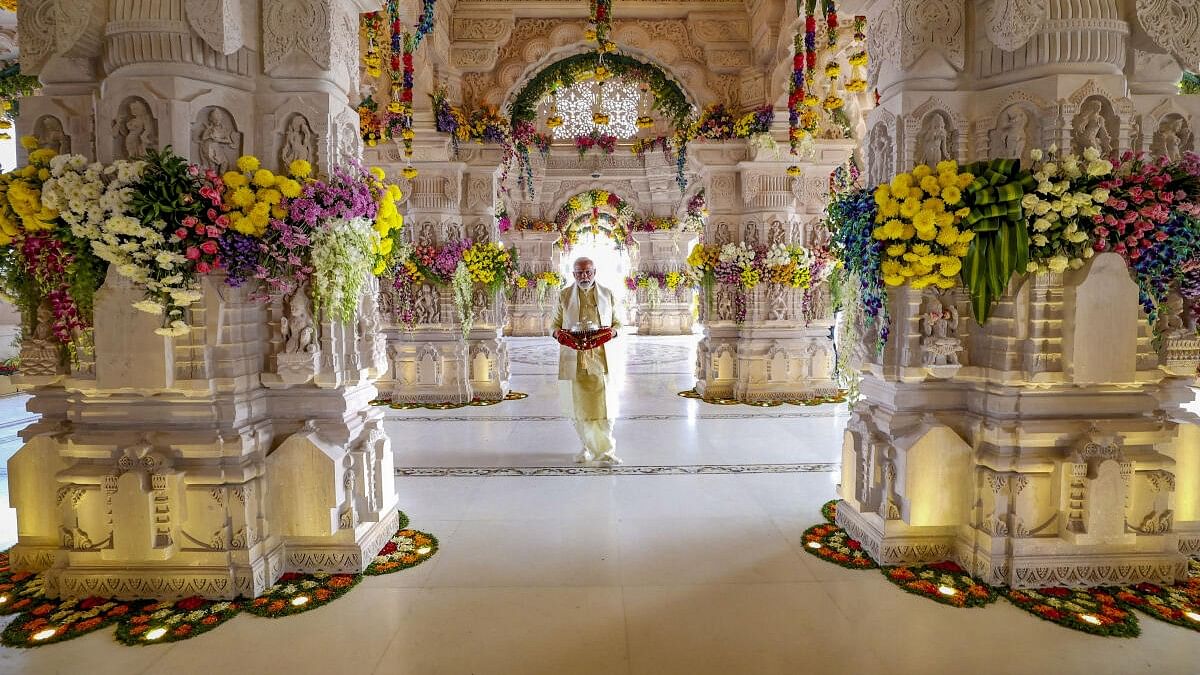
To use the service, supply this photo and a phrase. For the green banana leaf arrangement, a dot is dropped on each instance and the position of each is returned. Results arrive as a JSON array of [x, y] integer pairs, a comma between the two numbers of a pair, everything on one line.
[[1001, 244]]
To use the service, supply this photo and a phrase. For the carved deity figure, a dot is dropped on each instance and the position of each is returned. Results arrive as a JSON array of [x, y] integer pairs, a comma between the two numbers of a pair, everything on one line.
[[1091, 129], [49, 131], [1176, 317], [297, 141], [425, 236], [1012, 137], [723, 233], [933, 141], [1171, 138], [776, 235], [43, 332], [426, 308], [137, 129], [881, 156], [479, 232], [724, 305], [453, 232], [939, 328], [299, 335], [217, 142], [751, 236]]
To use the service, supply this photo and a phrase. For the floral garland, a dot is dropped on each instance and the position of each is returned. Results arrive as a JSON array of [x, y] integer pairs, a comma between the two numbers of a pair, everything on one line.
[[530, 225], [654, 283], [991, 220], [669, 98], [460, 265], [162, 622], [1089, 610], [943, 582], [746, 266], [402, 44], [587, 206], [830, 542], [13, 86], [1178, 604], [53, 621], [859, 58], [606, 143], [600, 26], [542, 282]]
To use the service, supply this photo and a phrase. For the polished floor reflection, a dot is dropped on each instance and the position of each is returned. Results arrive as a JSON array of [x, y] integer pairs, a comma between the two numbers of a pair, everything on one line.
[[687, 561]]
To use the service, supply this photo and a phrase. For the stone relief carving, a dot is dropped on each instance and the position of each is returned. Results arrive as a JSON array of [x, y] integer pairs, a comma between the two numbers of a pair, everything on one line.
[[751, 234], [880, 168], [299, 141], [479, 232], [723, 234], [296, 326], [1015, 134], [940, 342], [54, 27], [425, 235], [933, 24], [454, 232], [135, 130], [216, 141], [319, 28], [217, 22], [1174, 25], [1011, 23], [777, 234], [1172, 137], [49, 131], [1092, 127], [427, 307], [937, 139]]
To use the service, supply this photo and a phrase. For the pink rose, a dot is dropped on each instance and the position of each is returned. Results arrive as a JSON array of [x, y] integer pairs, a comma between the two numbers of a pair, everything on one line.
[[202, 267], [209, 247], [193, 253], [182, 233], [190, 221], [214, 231]]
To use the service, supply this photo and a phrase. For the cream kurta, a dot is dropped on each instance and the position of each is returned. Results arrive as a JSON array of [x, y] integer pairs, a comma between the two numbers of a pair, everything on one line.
[[587, 372]]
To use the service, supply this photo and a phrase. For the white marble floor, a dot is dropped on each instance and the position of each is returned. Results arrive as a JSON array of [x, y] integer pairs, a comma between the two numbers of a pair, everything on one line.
[[693, 567]]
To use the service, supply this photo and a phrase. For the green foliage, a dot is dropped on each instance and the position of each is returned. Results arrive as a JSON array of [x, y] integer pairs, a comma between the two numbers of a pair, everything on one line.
[[669, 98]]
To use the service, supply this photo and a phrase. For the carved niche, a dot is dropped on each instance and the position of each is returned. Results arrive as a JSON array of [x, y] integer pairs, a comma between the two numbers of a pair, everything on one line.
[[216, 141], [297, 141], [135, 130], [1017, 131], [1173, 137], [880, 155], [50, 133], [1095, 125]]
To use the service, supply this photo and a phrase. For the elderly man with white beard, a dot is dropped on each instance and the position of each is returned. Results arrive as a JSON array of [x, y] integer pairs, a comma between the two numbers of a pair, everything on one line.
[[586, 317]]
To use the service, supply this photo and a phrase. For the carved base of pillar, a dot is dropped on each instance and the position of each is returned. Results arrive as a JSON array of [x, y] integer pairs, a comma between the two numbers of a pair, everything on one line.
[[667, 318], [349, 551], [429, 365], [765, 362], [488, 367], [209, 575], [526, 320]]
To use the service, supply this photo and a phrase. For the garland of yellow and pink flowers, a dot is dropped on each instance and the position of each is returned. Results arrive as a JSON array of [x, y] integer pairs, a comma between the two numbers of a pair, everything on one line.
[[1065, 208]]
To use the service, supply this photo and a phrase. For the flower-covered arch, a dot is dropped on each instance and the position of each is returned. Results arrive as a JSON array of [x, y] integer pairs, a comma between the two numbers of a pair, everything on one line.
[[598, 211], [669, 97]]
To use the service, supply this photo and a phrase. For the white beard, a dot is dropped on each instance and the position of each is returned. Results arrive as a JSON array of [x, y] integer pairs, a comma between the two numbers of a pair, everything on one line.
[[586, 286]]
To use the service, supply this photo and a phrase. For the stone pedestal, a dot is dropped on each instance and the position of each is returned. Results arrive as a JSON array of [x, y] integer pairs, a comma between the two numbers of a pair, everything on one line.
[[171, 471], [990, 463]]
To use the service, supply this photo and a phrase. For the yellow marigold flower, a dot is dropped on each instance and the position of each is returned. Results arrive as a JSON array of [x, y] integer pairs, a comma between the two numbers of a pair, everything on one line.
[[247, 164], [920, 171], [910, 207], [923, 220], [921, 249], [889, 209], [242, 197], [278, 212], [910, 257], [952, 195], [948, 237], [894, 228], [900, 191], [965, 180], [947, 166], [30, 142], [927, 234], [264, 178], [289, 188], [893, 280], [889, 267], [270, 196], [946, 282], [896, 250], [959, 250], [880, 233], [934, 204], [944, 219], [963, 212], [930, 185], [951, 267], [966, 237], [235, 180], [882, 193], [378, 173], [300, 168], [41, 156]]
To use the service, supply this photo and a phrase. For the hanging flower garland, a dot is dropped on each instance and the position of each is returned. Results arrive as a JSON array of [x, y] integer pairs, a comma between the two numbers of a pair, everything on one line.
[[600, 26], [858, 58], [606, 143]]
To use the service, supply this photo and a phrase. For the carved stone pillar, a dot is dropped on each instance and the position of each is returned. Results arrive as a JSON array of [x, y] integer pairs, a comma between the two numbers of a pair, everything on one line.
[[772, 342], [944, 456]]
